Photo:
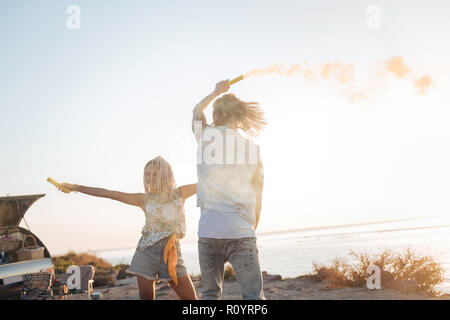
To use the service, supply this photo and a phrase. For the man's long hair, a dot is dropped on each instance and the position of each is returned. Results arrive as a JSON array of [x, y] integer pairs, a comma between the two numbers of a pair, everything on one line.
[[247, 116]]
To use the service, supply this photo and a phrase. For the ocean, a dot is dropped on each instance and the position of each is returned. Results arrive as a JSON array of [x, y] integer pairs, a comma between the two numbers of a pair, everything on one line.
[[293, 253]]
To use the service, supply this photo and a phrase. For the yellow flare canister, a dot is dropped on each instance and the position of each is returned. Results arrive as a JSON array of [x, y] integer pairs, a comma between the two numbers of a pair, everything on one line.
[[53, 182], [57, 185], [236, 80]]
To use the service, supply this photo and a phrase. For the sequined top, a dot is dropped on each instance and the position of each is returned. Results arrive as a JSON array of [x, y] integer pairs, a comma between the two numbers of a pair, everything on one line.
[[162, 220]]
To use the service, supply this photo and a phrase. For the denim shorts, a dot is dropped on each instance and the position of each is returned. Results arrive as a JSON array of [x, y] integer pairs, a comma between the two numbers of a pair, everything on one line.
[[149, 262]]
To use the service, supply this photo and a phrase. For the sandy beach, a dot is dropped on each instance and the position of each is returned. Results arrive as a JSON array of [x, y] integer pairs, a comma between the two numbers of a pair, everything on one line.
[[301, 288]]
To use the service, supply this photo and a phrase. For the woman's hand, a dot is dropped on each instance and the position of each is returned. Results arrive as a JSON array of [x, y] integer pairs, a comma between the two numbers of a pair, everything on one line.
[[67, 187], [222, 87]]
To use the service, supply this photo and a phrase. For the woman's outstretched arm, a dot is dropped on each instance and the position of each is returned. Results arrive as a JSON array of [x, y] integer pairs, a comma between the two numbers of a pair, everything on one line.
[[188, 190], [134, 199], [199, 109]]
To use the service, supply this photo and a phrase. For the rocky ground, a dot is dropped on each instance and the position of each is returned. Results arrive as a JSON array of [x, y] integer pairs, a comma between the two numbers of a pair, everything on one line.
[[275, 288]]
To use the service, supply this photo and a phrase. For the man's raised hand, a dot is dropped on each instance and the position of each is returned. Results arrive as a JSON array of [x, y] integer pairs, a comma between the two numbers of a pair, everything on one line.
[[222, 86]]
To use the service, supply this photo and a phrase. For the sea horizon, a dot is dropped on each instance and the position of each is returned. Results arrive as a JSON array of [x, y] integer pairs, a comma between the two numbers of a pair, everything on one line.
[[284, 231]]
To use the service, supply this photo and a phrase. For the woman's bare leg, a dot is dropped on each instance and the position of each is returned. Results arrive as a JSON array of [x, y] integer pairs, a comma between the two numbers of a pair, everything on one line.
[[185, 289], [146, 288]]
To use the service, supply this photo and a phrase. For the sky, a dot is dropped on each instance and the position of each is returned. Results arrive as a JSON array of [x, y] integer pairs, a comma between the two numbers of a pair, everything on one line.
[[92, 105]]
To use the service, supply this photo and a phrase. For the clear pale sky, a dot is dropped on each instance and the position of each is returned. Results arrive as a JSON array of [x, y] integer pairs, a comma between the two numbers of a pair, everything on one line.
[[92, 106]]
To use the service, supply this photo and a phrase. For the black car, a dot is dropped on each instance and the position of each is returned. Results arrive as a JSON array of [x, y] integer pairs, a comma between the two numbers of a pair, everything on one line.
[[12, 271]]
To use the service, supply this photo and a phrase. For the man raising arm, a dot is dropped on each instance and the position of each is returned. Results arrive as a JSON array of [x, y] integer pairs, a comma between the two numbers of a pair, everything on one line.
[[199, 110]]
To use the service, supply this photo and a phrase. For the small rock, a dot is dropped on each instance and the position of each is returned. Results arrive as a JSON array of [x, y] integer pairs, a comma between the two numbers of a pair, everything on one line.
[[386, 277], [321, 274], [404, 286], [409, 286], [270, 277], [96, 295]]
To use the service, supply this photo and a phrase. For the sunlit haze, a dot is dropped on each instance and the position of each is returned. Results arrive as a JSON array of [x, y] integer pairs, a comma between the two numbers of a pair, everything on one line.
[[92, 106]]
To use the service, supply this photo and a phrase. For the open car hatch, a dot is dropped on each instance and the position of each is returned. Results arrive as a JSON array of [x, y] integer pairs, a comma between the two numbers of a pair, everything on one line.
[[12, 209]]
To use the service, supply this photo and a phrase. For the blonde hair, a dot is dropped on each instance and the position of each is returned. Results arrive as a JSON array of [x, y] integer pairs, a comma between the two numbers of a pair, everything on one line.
[[247, 116], [160, 180]]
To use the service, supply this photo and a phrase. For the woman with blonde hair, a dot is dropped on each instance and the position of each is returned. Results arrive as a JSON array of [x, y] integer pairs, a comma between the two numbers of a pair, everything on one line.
[[158, 254]]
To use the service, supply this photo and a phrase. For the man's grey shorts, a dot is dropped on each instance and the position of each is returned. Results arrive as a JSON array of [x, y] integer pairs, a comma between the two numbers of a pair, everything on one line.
[[149, 263]]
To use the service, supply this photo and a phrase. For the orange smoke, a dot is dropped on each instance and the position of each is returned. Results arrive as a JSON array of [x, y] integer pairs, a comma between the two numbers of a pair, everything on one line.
[[396, 66], [422, 83], [344, 75], [341, 72]]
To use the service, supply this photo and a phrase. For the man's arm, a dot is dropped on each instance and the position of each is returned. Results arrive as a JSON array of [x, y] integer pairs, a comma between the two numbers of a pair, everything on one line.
[[257, 184], [199, 109]]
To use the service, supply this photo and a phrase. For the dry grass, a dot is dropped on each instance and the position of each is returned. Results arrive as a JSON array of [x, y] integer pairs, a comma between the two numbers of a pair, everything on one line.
[[403, 266], [104, 272], [79, 259]]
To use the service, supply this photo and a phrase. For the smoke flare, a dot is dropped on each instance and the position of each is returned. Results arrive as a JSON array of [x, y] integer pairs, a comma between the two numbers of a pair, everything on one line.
[[344, 75]]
